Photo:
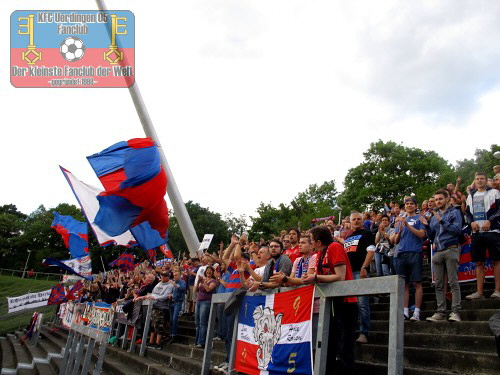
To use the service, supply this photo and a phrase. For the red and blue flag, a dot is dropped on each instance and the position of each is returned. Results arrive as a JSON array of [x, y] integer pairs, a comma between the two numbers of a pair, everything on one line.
[[57, 295], [274, 333], [135, 186], [73, 292], [151, 253], [125, 262], [58, 263], [74, 234]]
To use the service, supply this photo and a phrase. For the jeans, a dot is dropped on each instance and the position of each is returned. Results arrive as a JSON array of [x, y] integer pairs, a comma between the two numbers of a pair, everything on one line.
[[364, 310], [382, 269], [221, 322], [201, 320], [229, 332], [450, 258], [175, 309]]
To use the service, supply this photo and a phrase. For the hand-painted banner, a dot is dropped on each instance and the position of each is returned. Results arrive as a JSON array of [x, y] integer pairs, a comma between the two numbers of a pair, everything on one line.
[[68, 48], [274, 333], [96, 315], [28, 301]]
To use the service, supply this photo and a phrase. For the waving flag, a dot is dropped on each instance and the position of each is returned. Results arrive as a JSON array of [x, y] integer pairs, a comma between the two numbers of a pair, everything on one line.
[[74, 234], [125, 262], [135, 186], [166, 251], [82, 265], [87, 198], [73, 292], [151, 253], [57, 295], [274, 333], [58, 263]]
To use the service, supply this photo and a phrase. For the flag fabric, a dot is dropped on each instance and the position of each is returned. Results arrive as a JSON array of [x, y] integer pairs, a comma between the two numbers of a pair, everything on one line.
[[82, 265], [57, 295], [135, 186], [151, 253], [125, 262], [274, 333], [73, 232], [165, 249], [58, 263], [87, 198], [73, 292]]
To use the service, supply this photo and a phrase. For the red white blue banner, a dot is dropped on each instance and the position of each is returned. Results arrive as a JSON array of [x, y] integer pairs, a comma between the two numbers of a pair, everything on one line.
[[275, 333], [68, 48]]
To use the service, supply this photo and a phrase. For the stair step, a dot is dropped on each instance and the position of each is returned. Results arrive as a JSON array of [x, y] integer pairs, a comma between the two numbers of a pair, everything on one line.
[[8, 357], [482, 315], [452, 360], [484, 344], [462, 328], [486, 303]]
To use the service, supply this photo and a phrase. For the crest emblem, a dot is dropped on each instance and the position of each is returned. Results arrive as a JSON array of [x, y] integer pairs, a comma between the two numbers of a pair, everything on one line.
[[267, 332]]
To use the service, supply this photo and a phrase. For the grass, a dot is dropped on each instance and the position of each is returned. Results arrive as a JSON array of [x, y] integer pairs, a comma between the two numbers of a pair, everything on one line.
[[12, 286]]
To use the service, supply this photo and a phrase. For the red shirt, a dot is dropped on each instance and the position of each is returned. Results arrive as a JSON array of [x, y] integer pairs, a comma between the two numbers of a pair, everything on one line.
[[335, 256], [293, 253]]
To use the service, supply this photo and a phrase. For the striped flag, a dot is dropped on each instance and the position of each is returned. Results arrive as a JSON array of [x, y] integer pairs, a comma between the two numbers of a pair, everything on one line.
[[274, 333], [57, 295]]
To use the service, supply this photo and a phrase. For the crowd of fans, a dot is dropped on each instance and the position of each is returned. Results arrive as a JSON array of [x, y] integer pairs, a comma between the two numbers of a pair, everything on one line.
[[394, 240]]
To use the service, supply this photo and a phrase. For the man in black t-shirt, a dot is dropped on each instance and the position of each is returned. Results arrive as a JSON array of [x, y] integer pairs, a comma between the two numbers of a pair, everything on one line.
[[360, 248]]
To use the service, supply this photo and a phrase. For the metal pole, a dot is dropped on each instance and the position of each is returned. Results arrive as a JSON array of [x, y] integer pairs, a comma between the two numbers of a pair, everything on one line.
[[187, 228], [26, 264]]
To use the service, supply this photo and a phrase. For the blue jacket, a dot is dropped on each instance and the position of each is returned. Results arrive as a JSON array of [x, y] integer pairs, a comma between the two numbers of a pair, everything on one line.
[[179, 292], [445, 233]]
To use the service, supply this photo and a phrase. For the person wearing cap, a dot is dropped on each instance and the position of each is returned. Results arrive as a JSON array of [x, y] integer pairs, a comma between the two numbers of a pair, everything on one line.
[[162, 294], [409, 235]]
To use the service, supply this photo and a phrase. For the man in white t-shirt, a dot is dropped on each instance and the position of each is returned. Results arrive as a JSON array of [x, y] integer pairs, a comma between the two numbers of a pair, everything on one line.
[[483, 214]]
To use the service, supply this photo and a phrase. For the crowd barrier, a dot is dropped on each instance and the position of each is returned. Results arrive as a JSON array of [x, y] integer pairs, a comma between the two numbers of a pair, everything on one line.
[[392, 285], [36, 275]]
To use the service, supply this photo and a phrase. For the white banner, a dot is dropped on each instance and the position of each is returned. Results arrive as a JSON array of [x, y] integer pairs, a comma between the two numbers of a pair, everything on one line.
[[207, 239], [28, 301]]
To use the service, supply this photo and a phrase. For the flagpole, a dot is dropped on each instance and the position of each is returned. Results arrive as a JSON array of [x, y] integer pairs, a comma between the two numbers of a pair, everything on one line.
[[187, 228]]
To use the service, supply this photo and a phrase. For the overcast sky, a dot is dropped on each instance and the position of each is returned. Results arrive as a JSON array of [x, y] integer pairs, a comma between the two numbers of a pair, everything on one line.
[[255, 100]]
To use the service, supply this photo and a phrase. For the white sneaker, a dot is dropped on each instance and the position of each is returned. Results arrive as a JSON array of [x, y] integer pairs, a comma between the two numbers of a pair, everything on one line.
[[362, 339], [474, 295], [415, 317], [454, 317], [222, 367], [437, 317], [495, 295]]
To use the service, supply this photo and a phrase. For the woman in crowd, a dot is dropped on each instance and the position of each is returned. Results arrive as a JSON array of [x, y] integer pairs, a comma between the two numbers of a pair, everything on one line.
[[206, 287]]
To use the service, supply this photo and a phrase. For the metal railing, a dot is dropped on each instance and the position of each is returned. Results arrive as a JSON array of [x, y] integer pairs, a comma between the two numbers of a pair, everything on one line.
[[37, 275], [392, 285]]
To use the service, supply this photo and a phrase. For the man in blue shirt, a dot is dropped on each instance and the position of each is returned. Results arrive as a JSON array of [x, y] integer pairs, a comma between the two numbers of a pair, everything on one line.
[[443, 230], [177, 300], [409, 234]]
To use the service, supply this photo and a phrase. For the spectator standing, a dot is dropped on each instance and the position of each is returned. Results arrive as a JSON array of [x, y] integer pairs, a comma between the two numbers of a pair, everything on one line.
[[483, 214], [360, 249], [206, 287], [293, 251], [409, 234], [443, 230], [222, 276], [382, 246], [178, 294]]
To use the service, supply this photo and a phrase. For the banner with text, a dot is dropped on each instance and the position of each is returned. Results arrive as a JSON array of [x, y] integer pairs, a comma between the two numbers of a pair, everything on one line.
[[28, 301], [67, 48]]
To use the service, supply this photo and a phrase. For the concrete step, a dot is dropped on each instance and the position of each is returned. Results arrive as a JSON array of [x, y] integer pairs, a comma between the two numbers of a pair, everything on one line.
[[487, 303], [483, 344], [381, 369], [463, 328], [39, 357], [23, 360], [463, 362], [481, 315], [8, 357]]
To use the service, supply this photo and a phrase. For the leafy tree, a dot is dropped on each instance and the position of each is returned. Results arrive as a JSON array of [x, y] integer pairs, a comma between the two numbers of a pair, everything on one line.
[[391, 171], [484, 161], [315, 201], [204, 222], [11, 226], [236, 224]]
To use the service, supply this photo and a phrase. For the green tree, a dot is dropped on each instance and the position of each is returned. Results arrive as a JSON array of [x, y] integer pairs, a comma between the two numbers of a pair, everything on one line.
[[315, 201], [484, 161], [204, 222], [11, 226], [391, 171]]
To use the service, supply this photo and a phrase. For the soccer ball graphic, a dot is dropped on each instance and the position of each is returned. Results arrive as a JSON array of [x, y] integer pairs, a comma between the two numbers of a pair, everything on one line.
[[72, 48]]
